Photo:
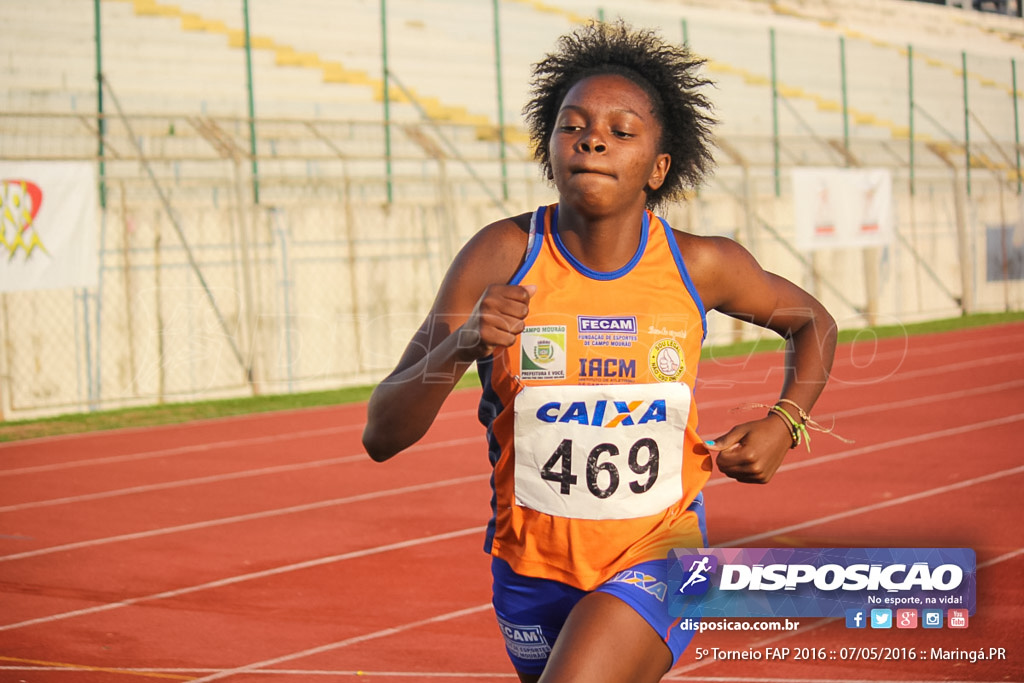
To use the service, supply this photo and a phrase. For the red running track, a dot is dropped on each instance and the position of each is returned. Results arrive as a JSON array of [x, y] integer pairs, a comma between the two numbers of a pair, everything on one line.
[[270, 548]]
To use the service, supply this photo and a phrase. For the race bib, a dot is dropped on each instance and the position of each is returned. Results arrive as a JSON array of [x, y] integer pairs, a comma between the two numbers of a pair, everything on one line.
[[600, 452]]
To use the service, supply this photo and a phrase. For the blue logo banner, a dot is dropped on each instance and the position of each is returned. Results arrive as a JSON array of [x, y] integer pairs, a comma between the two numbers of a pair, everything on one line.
[[818, 582]]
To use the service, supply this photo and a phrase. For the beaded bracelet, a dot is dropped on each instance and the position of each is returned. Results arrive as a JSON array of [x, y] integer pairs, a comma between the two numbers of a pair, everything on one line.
[[799, 411], [797, 430], [793, 434]]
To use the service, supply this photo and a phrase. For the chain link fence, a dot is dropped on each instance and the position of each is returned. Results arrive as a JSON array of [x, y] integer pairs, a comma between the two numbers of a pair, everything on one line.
[[205, 292]]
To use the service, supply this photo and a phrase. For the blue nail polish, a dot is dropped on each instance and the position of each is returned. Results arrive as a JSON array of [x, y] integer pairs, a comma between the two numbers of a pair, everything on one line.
[[710, 443]]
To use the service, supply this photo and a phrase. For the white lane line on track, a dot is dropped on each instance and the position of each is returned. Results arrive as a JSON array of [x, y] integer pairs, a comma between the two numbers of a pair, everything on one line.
[[992, 476], [260, 667], [705, 406], [455, 534], [884, 445], [1002, 558], [931, 398], [843, 361], [877, 407], [207, 446], [178, 450], [944, 349], [199, 423], [762, 377], [240, 578], [228, 476], [873, 448], [846, 352], [957, 395], [394, 630], [263, 514]]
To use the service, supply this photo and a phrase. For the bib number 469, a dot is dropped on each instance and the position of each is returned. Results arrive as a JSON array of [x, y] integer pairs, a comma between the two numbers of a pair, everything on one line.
[[643, 461]]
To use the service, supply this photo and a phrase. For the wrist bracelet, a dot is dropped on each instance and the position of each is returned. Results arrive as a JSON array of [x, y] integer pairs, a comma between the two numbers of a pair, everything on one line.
[[799, 429], [793, 434]]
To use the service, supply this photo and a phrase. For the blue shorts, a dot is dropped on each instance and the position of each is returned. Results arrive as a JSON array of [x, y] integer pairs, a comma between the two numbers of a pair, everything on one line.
[[531, 611]]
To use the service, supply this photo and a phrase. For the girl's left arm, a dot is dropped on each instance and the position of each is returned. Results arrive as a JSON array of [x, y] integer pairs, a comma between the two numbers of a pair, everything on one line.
[[731, 281]]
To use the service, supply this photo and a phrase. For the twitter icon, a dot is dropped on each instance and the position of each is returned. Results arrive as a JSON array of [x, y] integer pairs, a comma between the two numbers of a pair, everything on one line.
[[881, 618]]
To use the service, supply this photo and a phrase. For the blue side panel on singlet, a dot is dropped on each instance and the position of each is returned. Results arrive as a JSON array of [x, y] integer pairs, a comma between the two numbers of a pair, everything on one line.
[[685, 274], [533, 245], [490, 403], [490, 407]]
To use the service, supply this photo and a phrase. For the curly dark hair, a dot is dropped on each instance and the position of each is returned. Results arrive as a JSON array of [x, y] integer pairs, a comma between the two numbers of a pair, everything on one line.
[[664, 71]]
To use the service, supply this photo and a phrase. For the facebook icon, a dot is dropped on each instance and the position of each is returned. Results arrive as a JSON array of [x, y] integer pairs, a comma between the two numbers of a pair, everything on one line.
[[856, 618]]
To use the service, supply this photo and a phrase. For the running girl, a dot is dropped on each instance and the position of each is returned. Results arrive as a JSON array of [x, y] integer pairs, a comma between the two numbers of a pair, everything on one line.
[[585, 319]]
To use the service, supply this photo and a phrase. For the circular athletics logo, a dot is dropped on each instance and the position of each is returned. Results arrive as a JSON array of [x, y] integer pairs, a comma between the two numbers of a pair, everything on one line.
[[666, 360]]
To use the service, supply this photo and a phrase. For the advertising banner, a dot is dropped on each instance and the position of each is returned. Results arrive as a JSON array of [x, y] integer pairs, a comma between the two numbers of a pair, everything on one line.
[[836, 208], [48, 225]]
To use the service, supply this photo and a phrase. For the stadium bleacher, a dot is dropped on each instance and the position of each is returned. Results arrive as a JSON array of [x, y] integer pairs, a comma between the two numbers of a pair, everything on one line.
[[347, 201]]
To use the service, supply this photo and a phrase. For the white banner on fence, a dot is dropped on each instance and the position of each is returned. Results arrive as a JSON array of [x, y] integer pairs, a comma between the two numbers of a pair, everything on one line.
[[842, 207], [48, 225]]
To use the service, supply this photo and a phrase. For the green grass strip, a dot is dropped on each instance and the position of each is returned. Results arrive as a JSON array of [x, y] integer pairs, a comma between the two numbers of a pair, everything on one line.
[[174, 413], [867, 333]]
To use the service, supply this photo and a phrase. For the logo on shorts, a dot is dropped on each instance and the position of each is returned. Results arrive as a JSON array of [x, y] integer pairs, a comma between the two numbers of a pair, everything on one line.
[[696, 573], [666, 360], [524, 642], [644, 582]]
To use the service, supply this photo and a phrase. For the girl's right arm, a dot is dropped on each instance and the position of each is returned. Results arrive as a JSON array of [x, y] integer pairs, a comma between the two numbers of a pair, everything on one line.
[[474, 313]]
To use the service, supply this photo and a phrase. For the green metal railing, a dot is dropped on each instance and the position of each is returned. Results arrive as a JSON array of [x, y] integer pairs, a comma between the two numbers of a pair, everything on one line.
[[502, 151], [386, 98], [252, 106]]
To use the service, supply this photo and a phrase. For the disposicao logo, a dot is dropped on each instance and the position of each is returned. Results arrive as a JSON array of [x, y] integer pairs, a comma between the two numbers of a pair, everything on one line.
[[809, 582], [696, 579]]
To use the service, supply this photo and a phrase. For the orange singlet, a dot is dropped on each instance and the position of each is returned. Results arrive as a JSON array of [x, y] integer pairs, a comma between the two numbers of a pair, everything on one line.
[[590, 416]]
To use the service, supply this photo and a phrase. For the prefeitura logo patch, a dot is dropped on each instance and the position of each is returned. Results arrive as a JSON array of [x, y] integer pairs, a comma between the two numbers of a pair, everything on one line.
[[542, 354]]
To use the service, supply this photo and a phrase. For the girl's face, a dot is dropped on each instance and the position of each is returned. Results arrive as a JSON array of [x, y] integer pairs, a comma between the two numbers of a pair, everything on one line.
[[604, 147]]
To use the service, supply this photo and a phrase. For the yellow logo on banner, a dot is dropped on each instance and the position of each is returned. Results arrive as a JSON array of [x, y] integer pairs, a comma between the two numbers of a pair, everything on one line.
[[20, 201]]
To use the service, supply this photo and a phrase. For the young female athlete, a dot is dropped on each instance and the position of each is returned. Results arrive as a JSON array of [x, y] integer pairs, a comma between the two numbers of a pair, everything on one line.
[[585, 320]]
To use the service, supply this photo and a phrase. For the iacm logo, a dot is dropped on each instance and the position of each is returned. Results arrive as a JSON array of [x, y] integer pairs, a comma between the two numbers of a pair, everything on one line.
[[604, 413]]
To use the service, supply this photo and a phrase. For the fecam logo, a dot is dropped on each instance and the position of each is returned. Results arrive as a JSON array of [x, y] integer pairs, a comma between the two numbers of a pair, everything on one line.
[[696, 573]]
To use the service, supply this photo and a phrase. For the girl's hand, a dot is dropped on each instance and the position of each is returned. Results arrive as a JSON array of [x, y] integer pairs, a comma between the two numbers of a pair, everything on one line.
[[497, 319], [752, 452]]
